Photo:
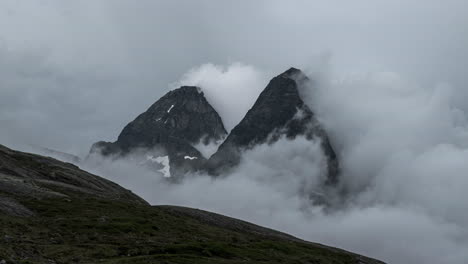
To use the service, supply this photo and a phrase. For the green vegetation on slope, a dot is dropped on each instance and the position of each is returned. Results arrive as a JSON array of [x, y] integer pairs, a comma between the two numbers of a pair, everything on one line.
[[53, 212], [99, 231]]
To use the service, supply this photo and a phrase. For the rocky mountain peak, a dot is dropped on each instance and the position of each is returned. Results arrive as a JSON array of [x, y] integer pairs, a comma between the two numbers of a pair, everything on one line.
[[182, 118], [183, 113], [173, 124], [292, 72], [278, 111]]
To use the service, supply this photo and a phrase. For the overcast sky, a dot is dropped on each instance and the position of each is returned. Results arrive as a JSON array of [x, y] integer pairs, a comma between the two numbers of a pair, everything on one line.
[[391, 91], [74, 72]]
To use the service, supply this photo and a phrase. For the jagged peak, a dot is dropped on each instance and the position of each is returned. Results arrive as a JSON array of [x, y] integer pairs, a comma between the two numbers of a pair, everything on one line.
[[179, 96], [274, 113], [291, 71], [187, 89], [295, 74]]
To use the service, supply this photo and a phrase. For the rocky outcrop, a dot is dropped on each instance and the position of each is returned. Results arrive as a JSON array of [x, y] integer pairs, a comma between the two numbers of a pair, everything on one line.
[[12, 207], [278, 111], [172, 125]]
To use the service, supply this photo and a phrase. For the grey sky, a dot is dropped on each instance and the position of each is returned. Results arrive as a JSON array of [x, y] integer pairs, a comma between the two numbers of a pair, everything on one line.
[[75, 72]]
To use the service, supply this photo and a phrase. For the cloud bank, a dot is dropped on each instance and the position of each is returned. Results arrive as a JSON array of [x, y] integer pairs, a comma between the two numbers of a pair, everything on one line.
[[403, 151]]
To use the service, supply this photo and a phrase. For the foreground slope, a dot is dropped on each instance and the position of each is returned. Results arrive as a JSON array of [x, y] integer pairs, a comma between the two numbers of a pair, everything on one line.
[[32, 176], [57, 213]]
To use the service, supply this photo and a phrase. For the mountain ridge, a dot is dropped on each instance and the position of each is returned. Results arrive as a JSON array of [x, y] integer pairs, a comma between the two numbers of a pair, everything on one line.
[[180, 119]]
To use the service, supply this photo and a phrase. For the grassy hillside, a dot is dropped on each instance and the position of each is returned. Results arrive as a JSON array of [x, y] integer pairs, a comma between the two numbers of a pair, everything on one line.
[[98, 231], [52, 212]]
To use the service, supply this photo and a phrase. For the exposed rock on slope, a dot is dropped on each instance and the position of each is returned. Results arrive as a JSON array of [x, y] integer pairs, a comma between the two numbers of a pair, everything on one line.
[[34, 176], [176, 122], [279, 111]]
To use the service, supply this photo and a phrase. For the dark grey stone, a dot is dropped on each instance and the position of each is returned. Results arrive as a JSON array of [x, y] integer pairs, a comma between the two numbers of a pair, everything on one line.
[[279, 110], [173, 124]]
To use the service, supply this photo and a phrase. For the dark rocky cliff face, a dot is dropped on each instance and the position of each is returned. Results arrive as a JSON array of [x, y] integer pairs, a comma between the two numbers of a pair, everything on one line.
[[279, 111], [180, 119]]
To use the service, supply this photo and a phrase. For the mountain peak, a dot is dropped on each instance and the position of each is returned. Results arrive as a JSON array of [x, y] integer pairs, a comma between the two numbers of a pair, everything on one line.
[[182, 118], [173, 124], [187, 90], [294, 74], [273, 115], [292, 71]]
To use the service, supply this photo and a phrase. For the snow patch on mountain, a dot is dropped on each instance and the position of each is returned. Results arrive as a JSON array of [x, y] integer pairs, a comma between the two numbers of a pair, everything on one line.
[[170, 108]]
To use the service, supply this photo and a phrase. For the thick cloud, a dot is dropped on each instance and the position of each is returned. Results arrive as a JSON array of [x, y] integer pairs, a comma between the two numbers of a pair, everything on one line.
[[389, 86], [403, 150], [231, 91]]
